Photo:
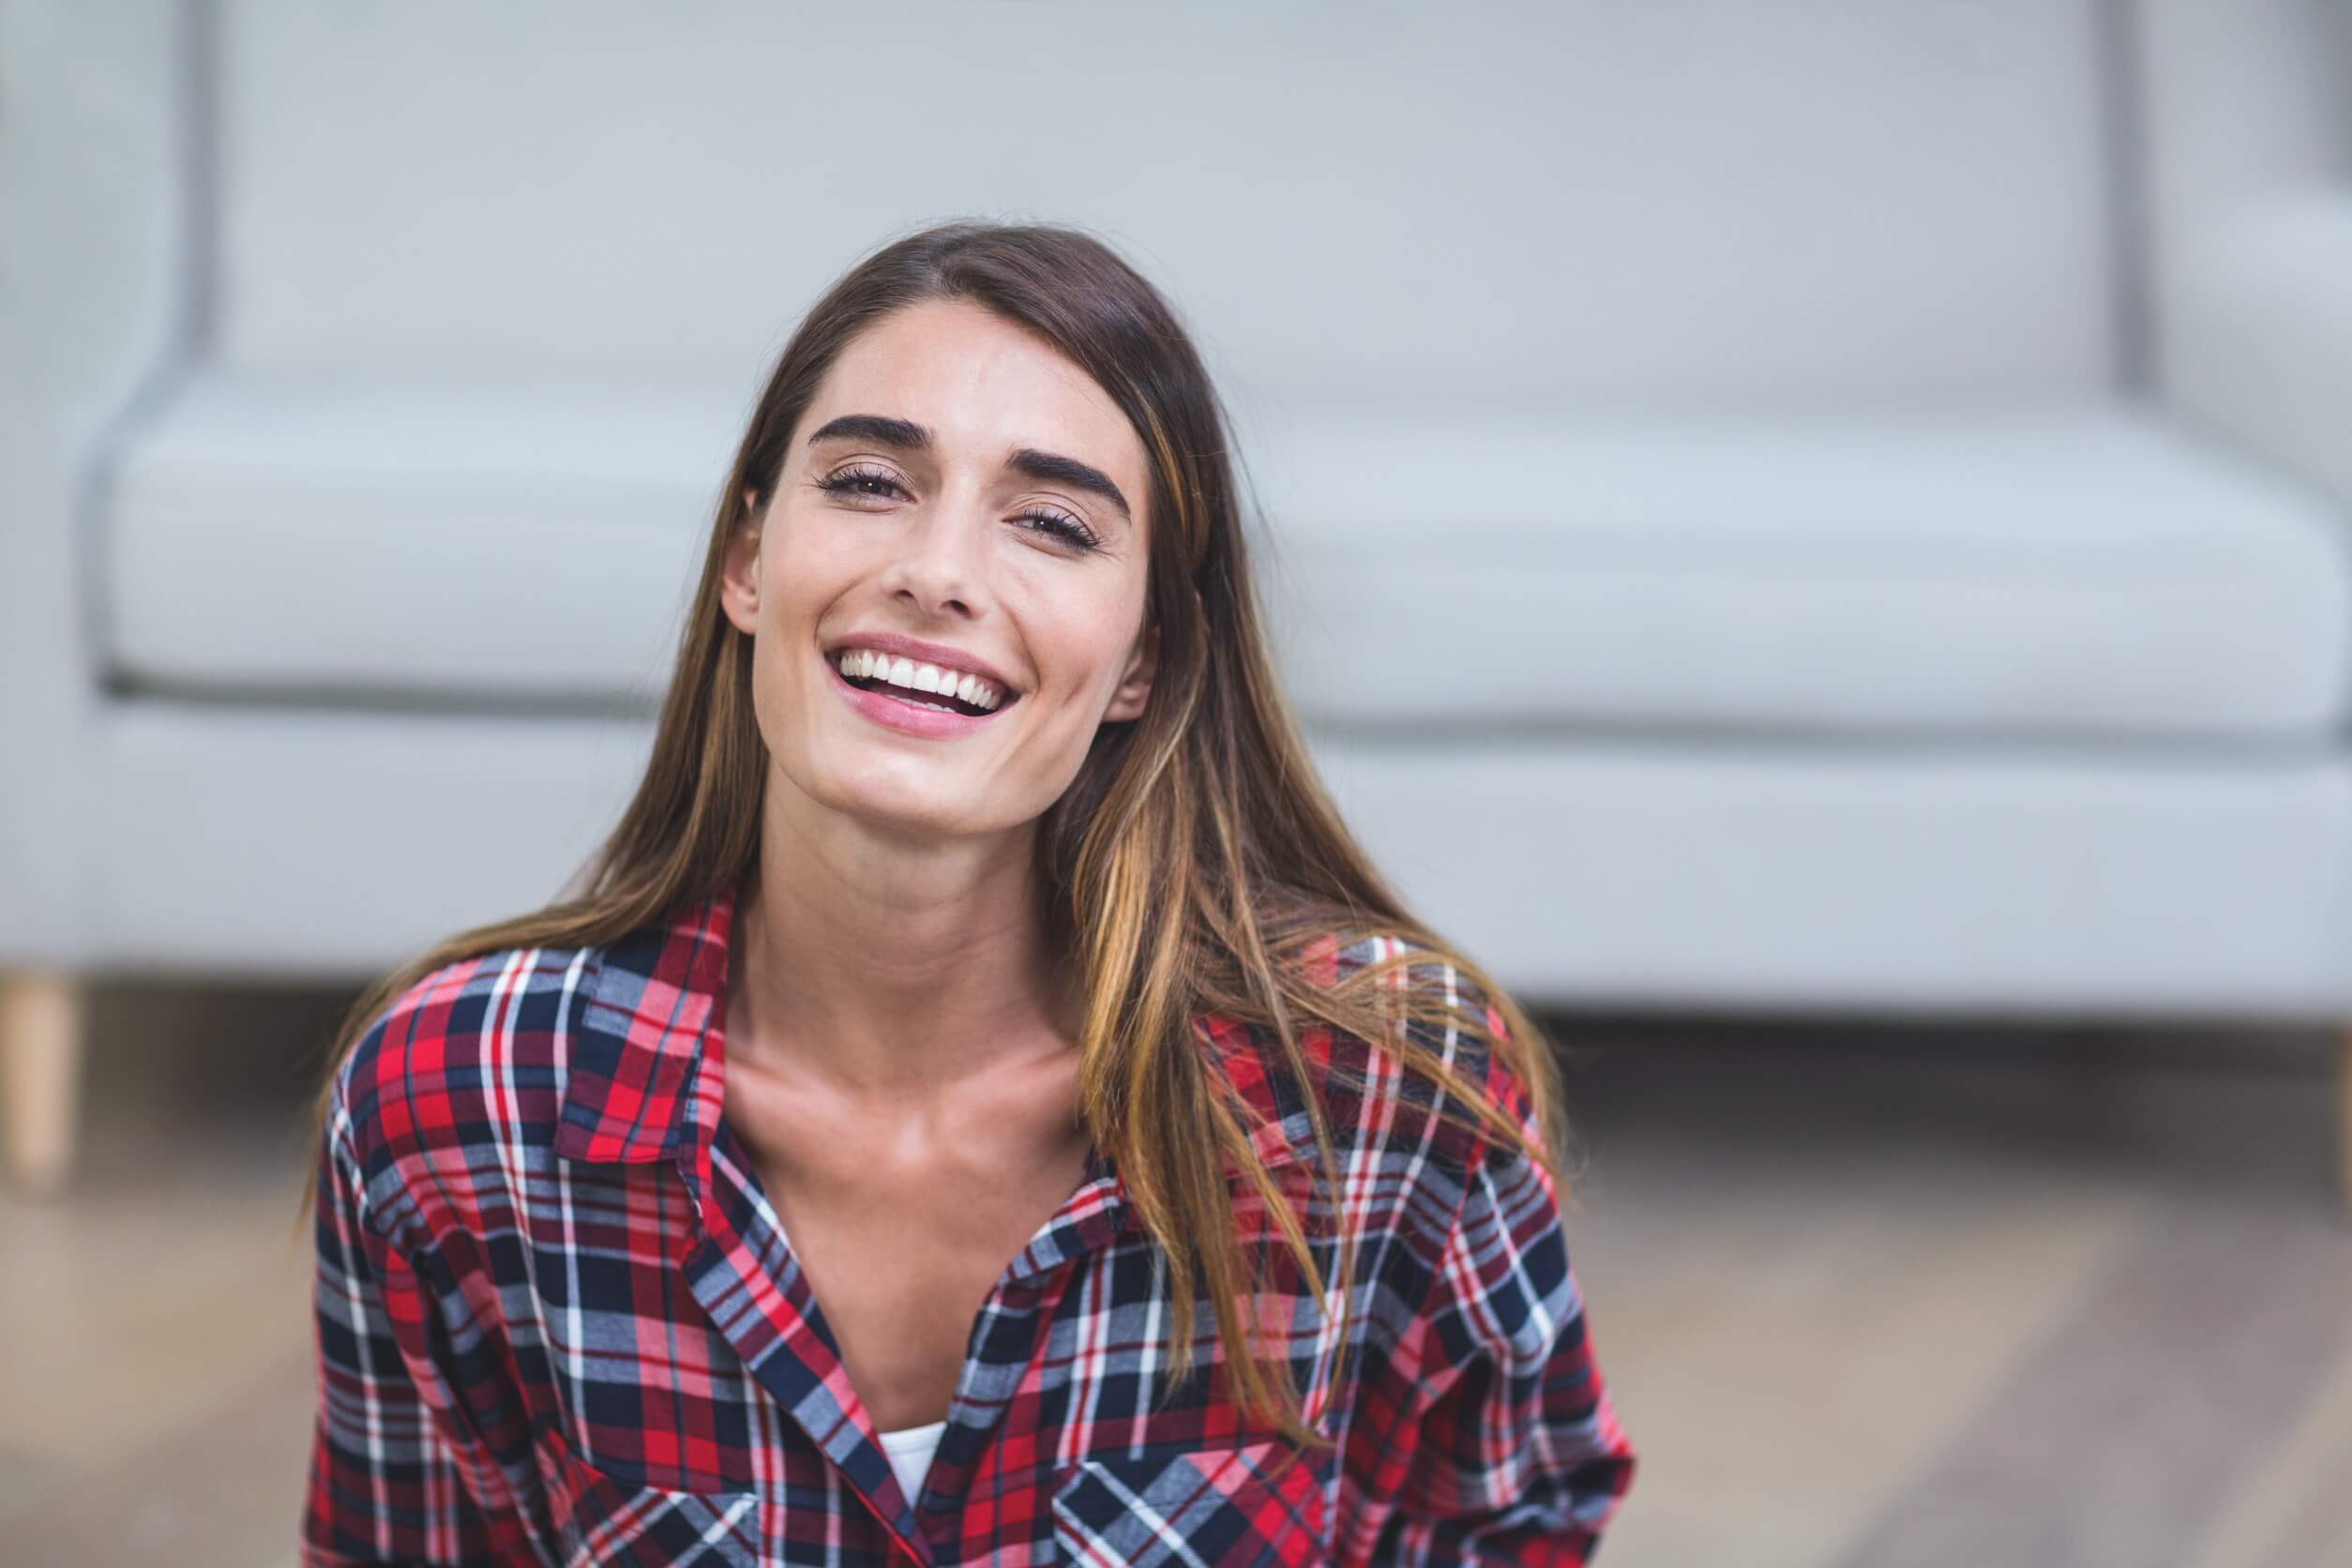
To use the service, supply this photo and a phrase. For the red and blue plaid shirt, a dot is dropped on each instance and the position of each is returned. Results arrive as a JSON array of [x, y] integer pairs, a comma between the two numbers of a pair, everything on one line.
[[558, 1322]]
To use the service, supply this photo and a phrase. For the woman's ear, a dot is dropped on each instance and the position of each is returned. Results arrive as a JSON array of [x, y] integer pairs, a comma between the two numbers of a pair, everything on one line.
[[1135, 685], [739, 572]]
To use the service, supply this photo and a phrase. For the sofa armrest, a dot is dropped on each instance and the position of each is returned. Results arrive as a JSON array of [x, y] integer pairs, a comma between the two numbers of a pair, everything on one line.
[[2256, 333], [97, 271]]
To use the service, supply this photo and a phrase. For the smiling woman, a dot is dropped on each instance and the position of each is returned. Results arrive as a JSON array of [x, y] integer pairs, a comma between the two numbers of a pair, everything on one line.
[[959, 502], [984, 1106]]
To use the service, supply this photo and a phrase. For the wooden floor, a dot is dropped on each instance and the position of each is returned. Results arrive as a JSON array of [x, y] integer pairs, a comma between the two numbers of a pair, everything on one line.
[[1867, 1298]]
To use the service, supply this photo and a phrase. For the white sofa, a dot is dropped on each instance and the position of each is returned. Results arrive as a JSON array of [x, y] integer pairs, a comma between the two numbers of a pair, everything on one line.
[[1836, 505]]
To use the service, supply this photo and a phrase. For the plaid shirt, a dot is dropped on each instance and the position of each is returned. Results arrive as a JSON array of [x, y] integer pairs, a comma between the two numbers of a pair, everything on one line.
[[557, 1321]]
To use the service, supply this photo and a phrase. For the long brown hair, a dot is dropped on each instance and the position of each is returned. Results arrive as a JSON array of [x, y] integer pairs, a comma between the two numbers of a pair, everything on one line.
[[1189, 867]]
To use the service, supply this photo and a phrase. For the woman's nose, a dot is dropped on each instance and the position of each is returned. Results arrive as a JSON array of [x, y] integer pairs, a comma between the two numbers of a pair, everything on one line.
[[943, 558]]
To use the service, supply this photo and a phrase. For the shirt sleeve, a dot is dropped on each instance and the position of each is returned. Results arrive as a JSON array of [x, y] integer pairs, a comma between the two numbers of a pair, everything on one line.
[[388, 1482], [1516, 1453]]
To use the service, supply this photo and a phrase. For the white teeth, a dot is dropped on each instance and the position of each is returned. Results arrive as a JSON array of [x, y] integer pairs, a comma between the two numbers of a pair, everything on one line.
[[865, 664]]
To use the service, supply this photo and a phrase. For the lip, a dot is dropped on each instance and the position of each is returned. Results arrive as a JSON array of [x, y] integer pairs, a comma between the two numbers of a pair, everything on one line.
[[905, 718], [923, 653]]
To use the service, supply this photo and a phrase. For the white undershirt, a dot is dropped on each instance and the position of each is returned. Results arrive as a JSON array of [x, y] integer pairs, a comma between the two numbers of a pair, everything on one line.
[[910, 1449]]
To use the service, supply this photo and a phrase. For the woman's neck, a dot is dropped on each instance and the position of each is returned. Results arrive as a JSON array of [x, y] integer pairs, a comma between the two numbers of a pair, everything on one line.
[[894, 978]]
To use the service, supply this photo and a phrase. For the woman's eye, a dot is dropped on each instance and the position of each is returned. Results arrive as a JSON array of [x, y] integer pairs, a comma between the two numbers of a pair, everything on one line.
[[855, 481], [1067, 529], [875, 485]]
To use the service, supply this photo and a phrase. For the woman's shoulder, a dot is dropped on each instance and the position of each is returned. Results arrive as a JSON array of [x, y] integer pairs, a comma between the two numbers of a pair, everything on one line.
[[1414, 1017], [460, 1058]]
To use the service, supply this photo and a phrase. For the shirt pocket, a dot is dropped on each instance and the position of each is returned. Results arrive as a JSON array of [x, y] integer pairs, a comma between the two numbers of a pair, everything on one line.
[[1224, 1506], [602, 1518]]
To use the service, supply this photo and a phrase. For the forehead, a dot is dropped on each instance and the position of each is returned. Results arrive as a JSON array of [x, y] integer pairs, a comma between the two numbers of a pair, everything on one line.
[[984, 385]]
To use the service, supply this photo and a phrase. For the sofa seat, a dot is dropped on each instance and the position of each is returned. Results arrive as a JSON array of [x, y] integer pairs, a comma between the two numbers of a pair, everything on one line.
[[2079, 571]]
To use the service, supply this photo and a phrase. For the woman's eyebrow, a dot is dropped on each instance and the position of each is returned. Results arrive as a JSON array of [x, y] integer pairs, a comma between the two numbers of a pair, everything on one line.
[[906, 435], [1057, 469]]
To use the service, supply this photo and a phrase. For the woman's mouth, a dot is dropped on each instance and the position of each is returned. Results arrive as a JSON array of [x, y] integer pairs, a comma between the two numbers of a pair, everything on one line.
[[932, 715]]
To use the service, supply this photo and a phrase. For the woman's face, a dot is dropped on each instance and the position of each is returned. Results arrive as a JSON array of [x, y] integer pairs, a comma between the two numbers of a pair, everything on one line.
[[958, 482]]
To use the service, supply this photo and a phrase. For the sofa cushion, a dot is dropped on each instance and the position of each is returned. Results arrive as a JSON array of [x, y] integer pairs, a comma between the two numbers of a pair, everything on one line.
[[2076, 571], [511, 544], [1668, 200], [2070, 571]]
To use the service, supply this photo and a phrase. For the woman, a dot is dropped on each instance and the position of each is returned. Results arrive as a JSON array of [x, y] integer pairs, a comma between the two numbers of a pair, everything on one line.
[[984, 1107]]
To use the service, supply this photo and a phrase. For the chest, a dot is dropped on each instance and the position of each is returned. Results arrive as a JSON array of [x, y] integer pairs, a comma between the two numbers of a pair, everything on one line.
[[900, 1269], [902, 1229]]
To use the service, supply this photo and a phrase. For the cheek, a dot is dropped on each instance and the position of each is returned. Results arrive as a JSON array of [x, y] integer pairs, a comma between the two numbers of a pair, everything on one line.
[[799, 568], [1085, 638]]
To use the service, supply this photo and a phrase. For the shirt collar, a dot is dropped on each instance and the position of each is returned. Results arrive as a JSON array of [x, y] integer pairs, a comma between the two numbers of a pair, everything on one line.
[[652, 998], [635, 1086]]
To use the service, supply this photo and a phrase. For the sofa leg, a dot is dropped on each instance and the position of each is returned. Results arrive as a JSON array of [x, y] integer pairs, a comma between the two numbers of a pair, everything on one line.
[[41, 1037]]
